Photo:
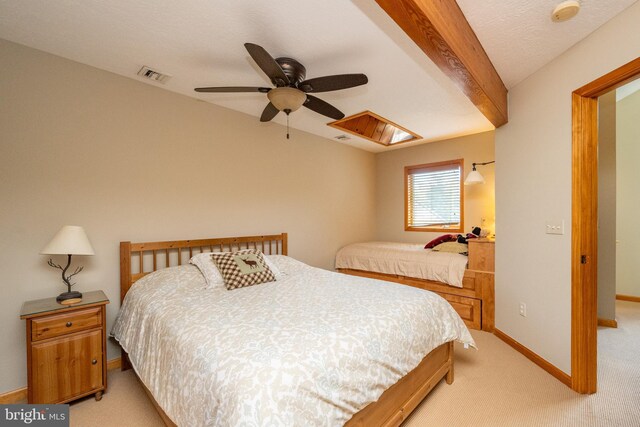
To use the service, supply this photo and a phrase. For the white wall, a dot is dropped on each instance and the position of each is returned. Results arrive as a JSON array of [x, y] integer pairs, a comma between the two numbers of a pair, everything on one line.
[[533, 184], [628, 201], [479, 200], [607, 206], [129, 161]]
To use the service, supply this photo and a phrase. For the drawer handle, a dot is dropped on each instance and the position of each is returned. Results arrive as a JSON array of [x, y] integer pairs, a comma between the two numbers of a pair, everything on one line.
[[69, 324], [94, 361]]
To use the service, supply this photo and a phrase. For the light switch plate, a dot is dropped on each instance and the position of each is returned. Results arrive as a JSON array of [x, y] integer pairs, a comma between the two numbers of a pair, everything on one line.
[[555, 227]]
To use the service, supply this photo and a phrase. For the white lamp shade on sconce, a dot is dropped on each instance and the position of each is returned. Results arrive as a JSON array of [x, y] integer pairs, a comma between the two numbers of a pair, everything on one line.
[[70, 240], [287, 98], [473, 178]]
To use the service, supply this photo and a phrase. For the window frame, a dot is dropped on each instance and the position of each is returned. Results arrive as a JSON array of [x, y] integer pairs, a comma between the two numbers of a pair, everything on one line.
[[408, 170]]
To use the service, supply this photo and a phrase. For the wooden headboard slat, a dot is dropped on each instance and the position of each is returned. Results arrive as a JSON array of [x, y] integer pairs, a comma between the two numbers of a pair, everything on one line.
[[138, 276], [128, 249], [181, 244]]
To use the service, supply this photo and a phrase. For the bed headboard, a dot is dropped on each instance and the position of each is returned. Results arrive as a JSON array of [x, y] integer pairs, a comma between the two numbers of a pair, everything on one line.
[[151, 256]]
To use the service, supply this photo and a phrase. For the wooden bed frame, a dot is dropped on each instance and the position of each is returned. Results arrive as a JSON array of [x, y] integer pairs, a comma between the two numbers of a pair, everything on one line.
[[475, 301], [393, 406]]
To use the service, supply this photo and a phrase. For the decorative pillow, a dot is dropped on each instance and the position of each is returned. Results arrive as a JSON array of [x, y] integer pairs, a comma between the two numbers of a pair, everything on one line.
[[442, 239], [209, 269], [453, 247], [243, 268]]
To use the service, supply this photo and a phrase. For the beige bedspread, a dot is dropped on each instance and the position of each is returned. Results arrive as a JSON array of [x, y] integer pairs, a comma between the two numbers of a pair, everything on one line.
[[404, 259], [310, 349]]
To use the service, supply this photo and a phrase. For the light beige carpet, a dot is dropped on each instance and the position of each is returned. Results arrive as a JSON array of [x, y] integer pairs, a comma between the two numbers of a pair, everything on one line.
[[495, 386]]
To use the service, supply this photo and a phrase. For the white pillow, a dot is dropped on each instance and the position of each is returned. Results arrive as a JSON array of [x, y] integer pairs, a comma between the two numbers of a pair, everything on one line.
[[209, 269], [286, 265], [274, 268]]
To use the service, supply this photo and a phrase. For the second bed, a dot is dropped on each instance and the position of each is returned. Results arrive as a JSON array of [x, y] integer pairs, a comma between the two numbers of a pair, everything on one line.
[[466, 282]]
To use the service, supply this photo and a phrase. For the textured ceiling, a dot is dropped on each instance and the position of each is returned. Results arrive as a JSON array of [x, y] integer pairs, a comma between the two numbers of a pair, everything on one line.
[[200, 43], [519, 36]]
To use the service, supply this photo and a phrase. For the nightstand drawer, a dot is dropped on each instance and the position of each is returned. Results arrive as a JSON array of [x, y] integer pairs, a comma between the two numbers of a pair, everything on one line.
[[66, 323]]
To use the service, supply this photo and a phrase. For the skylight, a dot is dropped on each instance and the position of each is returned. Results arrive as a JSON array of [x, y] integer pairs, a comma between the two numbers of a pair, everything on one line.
[[375, 128]]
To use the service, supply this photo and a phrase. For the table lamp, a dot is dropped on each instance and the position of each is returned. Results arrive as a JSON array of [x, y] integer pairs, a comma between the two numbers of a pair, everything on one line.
[[70, 240]]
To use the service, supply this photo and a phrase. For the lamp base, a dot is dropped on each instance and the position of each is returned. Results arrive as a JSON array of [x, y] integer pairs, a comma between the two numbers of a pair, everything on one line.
[[68, 295]]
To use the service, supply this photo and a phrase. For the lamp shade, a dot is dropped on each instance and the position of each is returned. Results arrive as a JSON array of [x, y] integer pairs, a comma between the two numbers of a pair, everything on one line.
[[287, 98], [70, 240], [474, 177]]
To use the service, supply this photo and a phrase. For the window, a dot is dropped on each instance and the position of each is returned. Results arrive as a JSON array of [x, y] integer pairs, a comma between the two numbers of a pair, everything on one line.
[[434, 197]]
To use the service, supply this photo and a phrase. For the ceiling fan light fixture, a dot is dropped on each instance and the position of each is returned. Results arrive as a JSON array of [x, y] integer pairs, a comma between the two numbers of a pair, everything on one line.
[[287, 98]]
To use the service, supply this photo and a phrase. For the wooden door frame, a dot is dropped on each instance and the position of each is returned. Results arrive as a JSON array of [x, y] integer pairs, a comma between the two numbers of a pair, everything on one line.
[[584, 224]]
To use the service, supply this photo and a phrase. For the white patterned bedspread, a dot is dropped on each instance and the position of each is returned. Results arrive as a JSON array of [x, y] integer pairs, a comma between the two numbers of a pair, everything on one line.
[[310, 349], [404, 259]]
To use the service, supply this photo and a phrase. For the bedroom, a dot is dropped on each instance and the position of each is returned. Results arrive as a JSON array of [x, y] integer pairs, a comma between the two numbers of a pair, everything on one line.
[[89, 147]]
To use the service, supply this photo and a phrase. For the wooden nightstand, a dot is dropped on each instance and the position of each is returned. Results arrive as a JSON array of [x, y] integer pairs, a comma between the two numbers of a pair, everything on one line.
[[482, 254], [66, 348]]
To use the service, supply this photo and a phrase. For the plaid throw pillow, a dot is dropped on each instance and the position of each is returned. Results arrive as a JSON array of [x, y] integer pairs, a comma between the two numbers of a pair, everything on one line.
[[243, 268]]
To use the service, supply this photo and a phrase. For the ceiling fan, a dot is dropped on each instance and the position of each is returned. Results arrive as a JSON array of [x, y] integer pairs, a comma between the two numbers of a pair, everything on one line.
[[291, 89]]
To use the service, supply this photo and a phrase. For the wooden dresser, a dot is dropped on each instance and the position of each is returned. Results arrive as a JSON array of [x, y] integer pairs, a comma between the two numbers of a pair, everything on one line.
[[66, 348]]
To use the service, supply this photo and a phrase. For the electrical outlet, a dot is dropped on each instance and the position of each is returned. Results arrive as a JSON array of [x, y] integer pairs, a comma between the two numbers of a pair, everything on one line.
[[523, 309]]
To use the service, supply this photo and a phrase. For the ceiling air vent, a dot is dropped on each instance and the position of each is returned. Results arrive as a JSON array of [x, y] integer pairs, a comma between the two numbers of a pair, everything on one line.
[[154, 75], [375, 128]]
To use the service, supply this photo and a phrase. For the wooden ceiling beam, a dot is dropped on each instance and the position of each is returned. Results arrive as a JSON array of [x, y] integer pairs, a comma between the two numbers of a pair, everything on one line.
[[441, 30]]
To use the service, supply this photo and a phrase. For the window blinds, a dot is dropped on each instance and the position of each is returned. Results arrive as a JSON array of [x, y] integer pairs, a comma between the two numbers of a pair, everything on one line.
[[433, 196]]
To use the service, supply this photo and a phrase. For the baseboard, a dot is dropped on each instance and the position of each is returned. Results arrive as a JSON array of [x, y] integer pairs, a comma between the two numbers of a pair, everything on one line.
[[114, 364], [551, 369], [14, 396], [20, 394], [609, 323], [627, 298]]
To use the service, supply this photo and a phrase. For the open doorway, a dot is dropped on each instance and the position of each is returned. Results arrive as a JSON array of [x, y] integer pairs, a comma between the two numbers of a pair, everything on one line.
[[628, 196], [618, 200], [584, 245], [618, 235]]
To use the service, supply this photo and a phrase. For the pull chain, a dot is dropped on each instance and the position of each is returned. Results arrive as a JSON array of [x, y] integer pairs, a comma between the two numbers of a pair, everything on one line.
[[287, 125]]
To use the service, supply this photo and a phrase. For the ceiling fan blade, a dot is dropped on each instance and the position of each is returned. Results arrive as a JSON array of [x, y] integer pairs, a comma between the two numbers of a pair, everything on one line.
[[322, 107], [267, 64], [233, 89], [329, 83], [269, 112]]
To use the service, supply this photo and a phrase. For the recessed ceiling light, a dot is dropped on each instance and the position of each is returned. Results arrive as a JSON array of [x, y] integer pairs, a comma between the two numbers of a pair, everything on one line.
[[565, 11]]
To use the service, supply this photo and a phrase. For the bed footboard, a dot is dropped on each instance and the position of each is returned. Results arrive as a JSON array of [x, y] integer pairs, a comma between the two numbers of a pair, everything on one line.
[[399, 400]]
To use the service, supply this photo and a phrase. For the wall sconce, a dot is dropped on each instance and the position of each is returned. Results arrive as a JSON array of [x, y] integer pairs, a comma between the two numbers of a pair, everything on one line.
[[474, 176]]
